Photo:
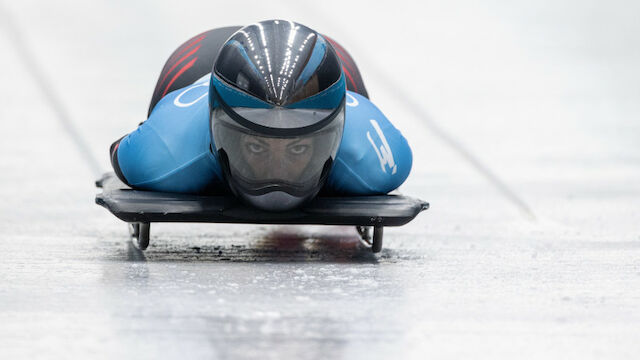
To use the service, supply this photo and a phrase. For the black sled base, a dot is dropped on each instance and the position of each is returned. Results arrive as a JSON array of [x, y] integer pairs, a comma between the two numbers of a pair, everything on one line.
[[140, 208]]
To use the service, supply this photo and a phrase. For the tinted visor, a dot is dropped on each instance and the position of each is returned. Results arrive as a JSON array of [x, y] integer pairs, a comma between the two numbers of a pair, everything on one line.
[[259, 163]]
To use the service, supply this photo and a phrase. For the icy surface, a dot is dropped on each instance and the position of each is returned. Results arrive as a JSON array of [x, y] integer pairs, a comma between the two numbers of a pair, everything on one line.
[[524, 123]]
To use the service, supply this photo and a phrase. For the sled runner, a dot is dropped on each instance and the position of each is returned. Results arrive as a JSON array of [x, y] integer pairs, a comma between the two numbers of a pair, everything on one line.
[[141, 208]]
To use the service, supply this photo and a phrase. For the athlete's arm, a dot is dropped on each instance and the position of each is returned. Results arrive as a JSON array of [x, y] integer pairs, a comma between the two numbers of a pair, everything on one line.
[[171, 150], [374, 157]]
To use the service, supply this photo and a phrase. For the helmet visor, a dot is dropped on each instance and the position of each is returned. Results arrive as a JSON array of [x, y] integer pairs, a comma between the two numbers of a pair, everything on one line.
[[259, 163]]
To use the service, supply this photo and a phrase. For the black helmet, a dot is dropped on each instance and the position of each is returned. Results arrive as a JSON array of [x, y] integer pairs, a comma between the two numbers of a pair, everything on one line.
[[277, 105]]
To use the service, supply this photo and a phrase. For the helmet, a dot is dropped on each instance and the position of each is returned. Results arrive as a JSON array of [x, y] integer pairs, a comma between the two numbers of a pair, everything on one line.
[[277, 106]]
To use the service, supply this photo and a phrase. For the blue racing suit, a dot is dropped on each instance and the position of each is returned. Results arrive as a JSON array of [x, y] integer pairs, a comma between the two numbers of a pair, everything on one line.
[[172, 151]]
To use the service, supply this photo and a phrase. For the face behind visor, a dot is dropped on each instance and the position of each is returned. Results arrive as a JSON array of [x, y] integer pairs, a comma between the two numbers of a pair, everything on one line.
[[295, 166]]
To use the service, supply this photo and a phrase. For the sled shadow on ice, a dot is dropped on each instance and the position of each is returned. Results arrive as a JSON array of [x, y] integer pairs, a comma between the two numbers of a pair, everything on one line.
[[275, 244]]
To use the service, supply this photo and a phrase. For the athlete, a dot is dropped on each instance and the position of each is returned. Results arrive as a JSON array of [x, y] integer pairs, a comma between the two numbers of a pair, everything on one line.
[[273, 112]]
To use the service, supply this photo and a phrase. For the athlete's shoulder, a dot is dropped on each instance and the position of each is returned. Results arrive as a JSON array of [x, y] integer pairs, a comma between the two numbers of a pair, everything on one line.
[[181, 121], [360, 110], [374, 157], [170, 149], [183, 101]]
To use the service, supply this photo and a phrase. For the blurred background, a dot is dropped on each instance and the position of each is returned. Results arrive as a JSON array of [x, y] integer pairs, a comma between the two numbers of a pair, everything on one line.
[[523, 119]]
